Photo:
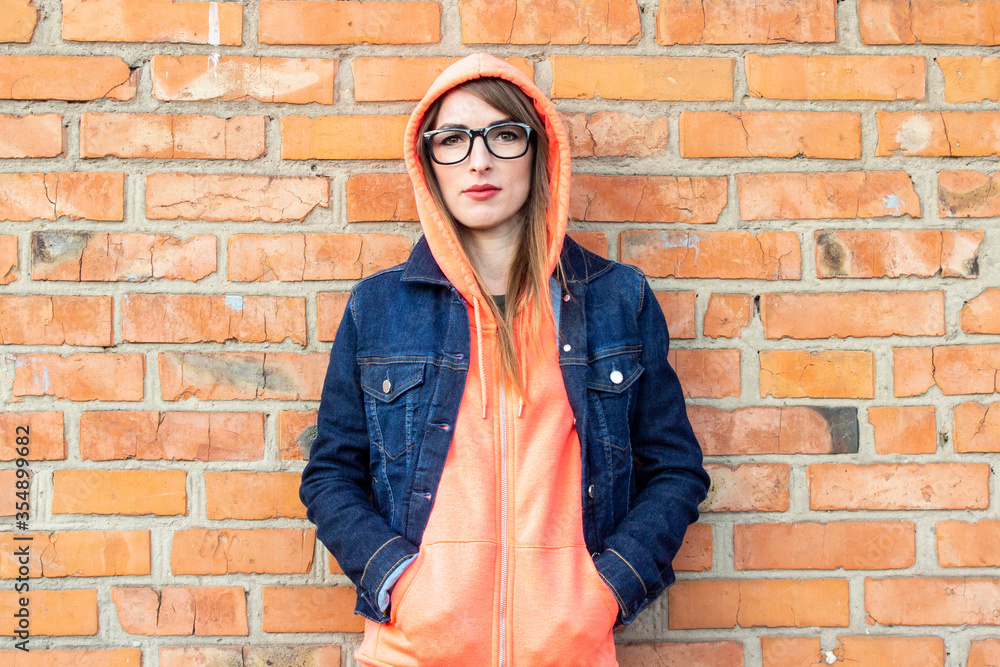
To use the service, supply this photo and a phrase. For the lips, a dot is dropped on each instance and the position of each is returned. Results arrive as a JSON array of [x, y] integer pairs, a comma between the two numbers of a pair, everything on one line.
[[482, 192]]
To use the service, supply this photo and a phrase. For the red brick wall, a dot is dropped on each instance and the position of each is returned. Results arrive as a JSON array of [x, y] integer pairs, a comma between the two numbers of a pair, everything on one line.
[[188, 189]]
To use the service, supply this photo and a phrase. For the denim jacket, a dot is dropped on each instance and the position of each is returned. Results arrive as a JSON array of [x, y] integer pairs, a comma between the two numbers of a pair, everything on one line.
[[374, 467]]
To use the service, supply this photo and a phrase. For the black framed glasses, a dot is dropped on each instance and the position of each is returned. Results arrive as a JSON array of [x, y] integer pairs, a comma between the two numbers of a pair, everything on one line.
[[451, 145]]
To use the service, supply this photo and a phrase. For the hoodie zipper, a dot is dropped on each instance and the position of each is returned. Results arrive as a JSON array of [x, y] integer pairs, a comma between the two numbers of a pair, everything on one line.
[[503, 525]]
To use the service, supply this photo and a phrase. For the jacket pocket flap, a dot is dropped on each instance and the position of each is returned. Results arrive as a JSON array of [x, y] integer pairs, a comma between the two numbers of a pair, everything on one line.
[[613, 374], [386, 382]]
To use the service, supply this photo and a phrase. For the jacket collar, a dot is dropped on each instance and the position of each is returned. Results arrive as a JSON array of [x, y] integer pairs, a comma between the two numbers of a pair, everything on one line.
[[580, 264]]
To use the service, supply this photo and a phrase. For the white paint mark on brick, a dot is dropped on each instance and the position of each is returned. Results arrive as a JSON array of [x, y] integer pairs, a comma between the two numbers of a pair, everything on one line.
[[914, 135], [893, 202], [234, 302], [213, 23]]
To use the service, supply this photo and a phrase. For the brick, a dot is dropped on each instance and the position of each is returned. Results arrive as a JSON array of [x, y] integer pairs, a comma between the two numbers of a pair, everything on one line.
[[76, 195], [253, 495], [932, 601], [775, 430], [598, 197], [176, 610], [745, 21], [294, 257], [20, 18], [938, 133], [191, 318], [255, 551], [968, 194], [129, 492], [836, 77], [87, 256], [336, 137], [90, 657], [961, 544], [750, 487], [56, 320], [239, 197], [241, 78], [329, 312], [892, 486], [707, 373], [891, 253], [728, 255], [852, 314], [678, 310], [45, 435], [152, 21], [977, 427], [851, 545], [180, 436], [981, 314], [728, 315], [73, 78], [815, 195], [904, 430], [251, 656], [967, 22], [296, 433], [34, 135], [404, 78], [168, 136], [970, 79], [747, 603], [616, 134], [695, 554], [984, 653], [53, 613], [380, 197], [643, 78], [325, 22], [791, 651], [523, 22], [310, 609], [956, 369], [9, 271], [830, 374], [98, 376], [689, 654], [811, 134], [226, 376], [595, 242], [82, 553]]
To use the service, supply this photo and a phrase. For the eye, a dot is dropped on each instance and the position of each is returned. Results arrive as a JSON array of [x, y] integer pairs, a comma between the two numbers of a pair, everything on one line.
[[450, 139]]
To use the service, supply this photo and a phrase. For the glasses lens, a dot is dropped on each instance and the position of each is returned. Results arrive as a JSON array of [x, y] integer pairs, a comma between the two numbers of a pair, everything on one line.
[[507, 141], [449, 147]]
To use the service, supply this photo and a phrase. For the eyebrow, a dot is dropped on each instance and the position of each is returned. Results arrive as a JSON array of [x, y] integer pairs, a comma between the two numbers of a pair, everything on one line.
[[461, 126]]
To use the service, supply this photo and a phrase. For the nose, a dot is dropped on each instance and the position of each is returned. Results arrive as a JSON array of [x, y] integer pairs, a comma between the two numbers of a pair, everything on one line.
[[480, 158]]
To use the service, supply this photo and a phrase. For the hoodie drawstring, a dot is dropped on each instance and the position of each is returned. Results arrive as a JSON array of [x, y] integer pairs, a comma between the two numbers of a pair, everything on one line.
[[479, 347], [524, 369]]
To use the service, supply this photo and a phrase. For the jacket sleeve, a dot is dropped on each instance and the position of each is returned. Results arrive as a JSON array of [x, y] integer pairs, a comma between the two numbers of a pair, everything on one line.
[[670, 479], [336, 482]]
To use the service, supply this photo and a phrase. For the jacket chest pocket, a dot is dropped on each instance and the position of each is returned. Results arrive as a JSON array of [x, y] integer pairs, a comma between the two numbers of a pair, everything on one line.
[[610, 397], [392, 401]]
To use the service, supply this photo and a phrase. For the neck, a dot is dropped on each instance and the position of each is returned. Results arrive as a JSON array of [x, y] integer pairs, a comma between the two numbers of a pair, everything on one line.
[[491, 251]]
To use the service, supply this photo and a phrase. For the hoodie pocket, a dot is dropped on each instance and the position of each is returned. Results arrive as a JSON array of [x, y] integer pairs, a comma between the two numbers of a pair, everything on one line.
[[563, 611], [442, 608]]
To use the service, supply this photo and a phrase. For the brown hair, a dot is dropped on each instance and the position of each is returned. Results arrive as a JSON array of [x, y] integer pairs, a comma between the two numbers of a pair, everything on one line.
[[526, 280]]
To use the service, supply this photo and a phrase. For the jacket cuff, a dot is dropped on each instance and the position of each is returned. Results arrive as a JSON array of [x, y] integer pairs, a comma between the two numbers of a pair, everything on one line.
[[390, 581], [381, 565], [624, 581]]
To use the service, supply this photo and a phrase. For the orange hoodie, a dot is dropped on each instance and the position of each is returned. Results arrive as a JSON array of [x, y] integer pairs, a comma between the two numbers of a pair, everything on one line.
[[503, 576]]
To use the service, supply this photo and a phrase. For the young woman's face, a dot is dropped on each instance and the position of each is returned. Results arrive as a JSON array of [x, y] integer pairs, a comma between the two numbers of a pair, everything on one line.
[[483, 192]]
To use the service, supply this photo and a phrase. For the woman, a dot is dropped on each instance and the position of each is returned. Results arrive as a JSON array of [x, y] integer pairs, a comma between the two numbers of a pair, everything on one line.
[[503, 478]]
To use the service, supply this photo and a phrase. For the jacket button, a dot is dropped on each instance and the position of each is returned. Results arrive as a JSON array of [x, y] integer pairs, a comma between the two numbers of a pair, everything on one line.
[[617, 377], [565, 297], [567, 347], [386, 386], [590, 491]]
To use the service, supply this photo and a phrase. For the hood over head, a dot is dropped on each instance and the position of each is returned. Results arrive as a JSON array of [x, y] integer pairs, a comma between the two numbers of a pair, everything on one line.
[[441, 239]]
